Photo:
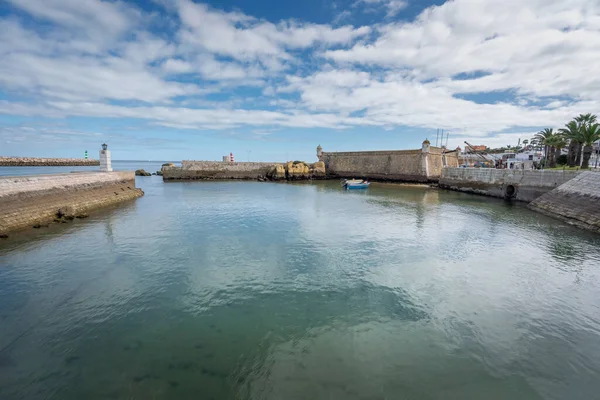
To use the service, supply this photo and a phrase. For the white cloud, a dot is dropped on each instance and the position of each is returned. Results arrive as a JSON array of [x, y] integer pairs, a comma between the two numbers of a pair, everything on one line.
[[534, 46], [101, 20], [538, 57], [205, 118], [394, 100], [83, 78], [343, 15], [393, 7], [177, 66], [241, 37]]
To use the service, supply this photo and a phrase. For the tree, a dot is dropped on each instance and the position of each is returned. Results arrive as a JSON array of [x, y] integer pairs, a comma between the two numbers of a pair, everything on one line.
[[588, 135], [544, 137], [584, 121], [571, 131], [556, 142], [534, 143]]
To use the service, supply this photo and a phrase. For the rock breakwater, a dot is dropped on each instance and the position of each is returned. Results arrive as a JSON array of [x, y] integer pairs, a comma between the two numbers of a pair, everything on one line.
[[46, 162]]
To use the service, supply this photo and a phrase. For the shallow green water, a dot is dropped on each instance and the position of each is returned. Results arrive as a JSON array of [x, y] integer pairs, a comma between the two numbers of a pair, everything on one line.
[[277, 291]]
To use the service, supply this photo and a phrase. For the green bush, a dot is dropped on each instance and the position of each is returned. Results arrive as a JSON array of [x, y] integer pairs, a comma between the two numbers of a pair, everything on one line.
[[562, 160]]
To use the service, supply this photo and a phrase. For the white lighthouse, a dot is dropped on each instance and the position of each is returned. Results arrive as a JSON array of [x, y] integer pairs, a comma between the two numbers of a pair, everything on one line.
[[105, 159]]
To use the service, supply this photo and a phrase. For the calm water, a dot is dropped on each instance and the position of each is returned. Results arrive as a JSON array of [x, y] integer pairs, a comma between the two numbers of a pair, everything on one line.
[[244, 290]]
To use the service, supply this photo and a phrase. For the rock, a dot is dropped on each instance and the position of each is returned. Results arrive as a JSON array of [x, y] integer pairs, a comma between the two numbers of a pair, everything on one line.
[[168, 164], [3, 236], [297, 170], [81, 216], [66, 213], [38, 226], [277, 172], [318, 169], [142, 172], [159, 173]]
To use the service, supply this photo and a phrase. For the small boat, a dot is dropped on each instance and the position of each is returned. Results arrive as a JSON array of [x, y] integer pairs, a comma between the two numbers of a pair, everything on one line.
[[355, 184]]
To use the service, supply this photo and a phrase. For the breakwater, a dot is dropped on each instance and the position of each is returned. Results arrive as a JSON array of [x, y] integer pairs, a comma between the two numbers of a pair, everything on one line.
[[576, 202], [46, 162], [207, 170], [36, 201], [522, 185], [421, 165]]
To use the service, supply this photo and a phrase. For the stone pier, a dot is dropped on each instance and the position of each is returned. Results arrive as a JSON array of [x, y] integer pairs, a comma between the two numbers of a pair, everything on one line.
[[576, 202], [36, 201], [516, 184]]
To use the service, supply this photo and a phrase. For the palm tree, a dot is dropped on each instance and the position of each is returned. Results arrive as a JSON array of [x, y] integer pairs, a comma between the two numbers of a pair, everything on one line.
[[544, 137], [571, 131], [589, 135], [557, 142], [584, 121], [534, 143]]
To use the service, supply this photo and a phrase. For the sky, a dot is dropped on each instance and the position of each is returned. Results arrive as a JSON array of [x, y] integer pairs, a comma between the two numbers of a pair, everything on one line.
[[269, 80]]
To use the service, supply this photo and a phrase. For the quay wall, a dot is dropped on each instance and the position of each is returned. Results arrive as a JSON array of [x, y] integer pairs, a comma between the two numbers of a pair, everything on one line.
[[576, 201], [421, 165], [195, 170], [45, 162], [27, 201], [522, 185]]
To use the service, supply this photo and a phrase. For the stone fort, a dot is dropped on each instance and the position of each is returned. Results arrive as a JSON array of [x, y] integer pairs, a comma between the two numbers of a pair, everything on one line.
[[421, 165]]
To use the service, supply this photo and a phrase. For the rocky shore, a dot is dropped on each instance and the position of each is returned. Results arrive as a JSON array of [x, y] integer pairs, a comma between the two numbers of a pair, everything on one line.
[[45, 162]]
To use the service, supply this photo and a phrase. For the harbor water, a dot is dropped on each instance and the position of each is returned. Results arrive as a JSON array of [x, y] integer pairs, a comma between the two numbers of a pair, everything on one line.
[[248, 290]]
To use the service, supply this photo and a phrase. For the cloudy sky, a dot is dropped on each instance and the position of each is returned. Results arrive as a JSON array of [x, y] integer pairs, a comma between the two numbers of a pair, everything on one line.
[[271, 79]]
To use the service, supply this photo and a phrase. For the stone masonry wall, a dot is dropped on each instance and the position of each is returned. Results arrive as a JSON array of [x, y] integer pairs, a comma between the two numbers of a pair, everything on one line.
[[576, 202], [51, 162], [395, 165], [29, 200], [437, 162], [523, 185], [383, 165], [193, 170]]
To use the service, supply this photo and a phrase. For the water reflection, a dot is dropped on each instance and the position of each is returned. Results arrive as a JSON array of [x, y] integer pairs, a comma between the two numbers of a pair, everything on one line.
[[247, 290]]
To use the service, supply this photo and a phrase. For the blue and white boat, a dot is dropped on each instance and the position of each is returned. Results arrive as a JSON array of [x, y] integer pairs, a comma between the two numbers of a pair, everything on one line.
[[355, 184]]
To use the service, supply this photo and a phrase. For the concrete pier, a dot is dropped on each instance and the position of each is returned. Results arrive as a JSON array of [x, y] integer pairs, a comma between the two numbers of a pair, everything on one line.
[[34, 201]]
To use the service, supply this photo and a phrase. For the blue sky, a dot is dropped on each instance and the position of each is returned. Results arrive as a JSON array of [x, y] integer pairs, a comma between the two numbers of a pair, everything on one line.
[[270, 80]]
